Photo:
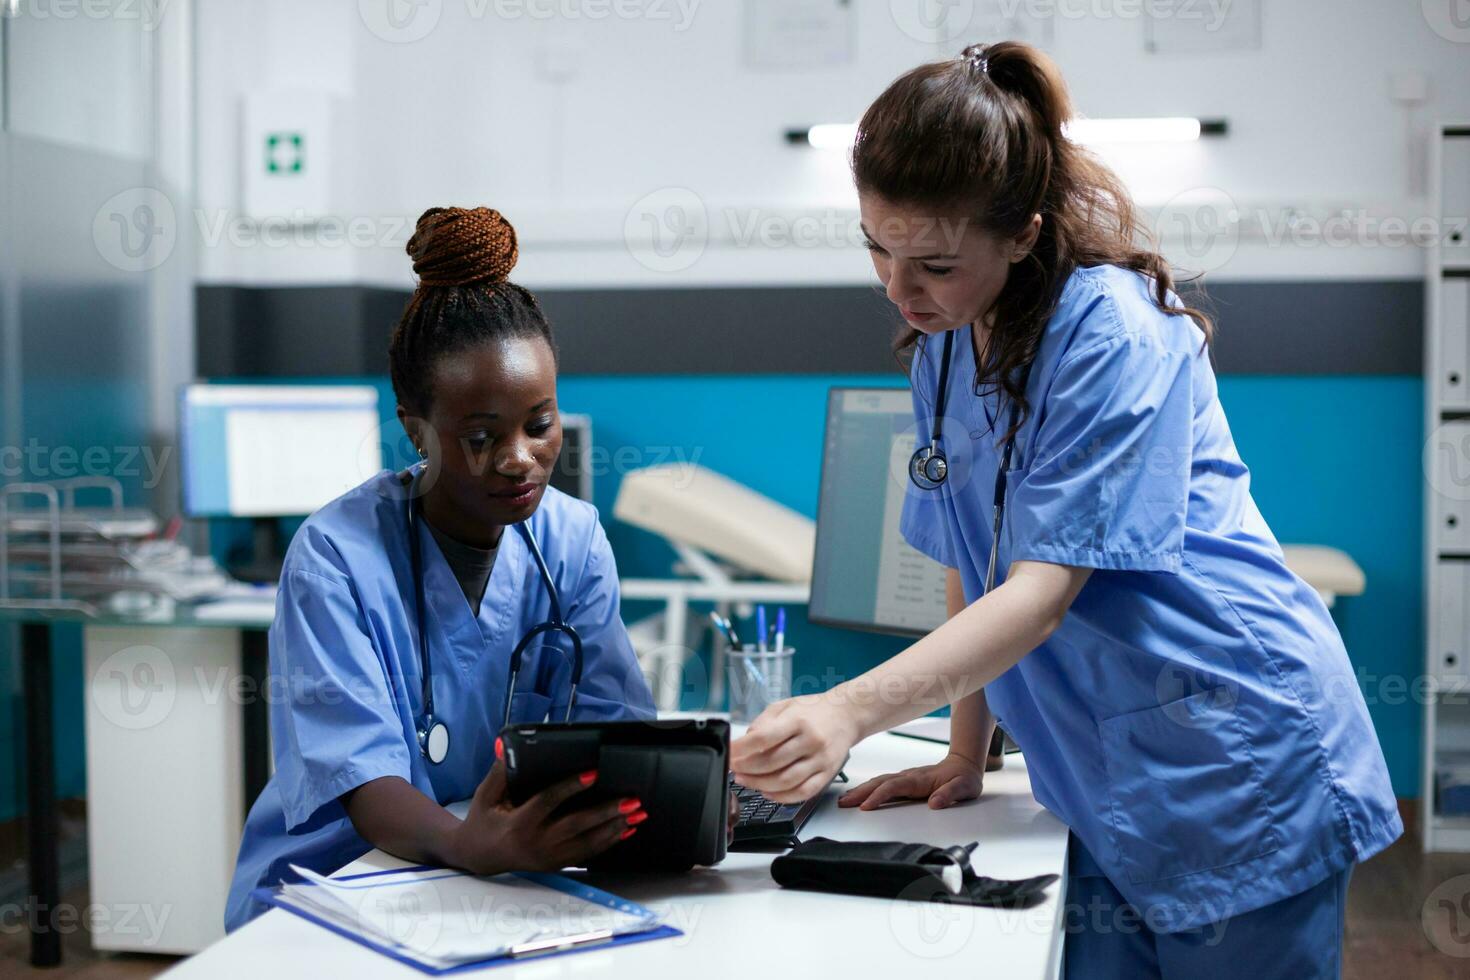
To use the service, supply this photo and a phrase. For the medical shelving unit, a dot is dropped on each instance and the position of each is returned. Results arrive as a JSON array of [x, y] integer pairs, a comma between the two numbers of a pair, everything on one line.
[[1447, 486]]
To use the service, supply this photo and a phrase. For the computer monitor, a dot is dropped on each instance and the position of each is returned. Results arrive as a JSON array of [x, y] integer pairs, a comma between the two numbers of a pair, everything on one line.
[[864, 574], [275, 450], [573, 472]]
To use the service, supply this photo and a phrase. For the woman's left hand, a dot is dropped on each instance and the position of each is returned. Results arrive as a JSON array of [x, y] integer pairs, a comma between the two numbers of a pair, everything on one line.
[[794, 749]]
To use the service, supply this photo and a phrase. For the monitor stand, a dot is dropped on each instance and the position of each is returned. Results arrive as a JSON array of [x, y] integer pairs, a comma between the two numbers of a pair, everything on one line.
[[267, 553]]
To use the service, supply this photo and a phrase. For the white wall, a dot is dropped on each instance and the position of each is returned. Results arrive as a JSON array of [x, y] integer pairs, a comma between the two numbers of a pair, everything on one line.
[[469, 114]]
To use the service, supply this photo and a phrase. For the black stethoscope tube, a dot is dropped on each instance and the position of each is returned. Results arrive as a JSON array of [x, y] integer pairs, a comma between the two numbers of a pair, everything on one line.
[[433, 734], [929, 467]]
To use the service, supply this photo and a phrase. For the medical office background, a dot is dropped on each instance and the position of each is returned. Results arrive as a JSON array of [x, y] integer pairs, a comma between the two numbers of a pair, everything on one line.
[[698, 261]]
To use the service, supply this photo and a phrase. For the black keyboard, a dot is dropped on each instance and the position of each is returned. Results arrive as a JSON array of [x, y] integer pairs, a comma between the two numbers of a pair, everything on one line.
[[766, 822]]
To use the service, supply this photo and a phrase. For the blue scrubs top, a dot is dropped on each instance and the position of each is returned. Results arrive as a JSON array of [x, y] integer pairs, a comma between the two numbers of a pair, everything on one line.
[[1195, 719], [346, 684]]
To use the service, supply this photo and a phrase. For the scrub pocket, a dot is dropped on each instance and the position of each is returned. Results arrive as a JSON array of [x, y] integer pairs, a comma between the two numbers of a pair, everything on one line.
[[1184, 792]]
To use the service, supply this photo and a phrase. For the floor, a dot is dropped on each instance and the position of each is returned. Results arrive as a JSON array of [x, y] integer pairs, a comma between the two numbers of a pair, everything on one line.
[[1396, 901]]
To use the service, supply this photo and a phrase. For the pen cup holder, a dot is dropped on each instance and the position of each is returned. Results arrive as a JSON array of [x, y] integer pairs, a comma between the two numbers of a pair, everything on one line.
[[756, 680]]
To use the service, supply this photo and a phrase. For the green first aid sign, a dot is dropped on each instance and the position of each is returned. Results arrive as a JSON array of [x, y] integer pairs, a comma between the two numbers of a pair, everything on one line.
[[285, 153]]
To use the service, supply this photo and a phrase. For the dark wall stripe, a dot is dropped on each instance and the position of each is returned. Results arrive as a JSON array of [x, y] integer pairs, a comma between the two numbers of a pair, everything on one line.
[[1373, 327]]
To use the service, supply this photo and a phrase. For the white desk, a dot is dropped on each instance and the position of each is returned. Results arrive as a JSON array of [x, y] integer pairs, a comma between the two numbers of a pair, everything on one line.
[[737, 922]]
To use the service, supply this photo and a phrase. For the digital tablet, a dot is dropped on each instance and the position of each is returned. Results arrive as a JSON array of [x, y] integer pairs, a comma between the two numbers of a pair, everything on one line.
[[677, 768]]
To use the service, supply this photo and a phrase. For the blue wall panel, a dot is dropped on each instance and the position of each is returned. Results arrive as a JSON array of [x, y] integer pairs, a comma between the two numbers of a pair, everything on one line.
[[1334, 461]]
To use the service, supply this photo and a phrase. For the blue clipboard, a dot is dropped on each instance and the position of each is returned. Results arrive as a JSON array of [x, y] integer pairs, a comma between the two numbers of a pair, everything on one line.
[[561, 883]]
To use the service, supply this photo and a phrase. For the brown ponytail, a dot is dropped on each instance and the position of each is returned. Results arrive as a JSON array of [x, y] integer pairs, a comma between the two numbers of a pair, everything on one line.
[[463, 258], [982, 134]]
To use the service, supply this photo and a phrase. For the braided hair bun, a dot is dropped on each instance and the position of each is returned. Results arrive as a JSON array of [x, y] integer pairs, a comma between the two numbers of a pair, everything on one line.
[[463, 258], [462, 247]]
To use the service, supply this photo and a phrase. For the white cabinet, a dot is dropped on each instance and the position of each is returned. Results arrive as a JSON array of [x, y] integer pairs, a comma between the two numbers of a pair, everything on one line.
[[1450, 625], [1454, 184], [1452, 333], [165, 792], [1449, 487], [1447, 482]]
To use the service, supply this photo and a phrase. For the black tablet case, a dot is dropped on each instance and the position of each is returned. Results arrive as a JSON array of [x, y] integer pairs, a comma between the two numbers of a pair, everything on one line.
[[678, 769]]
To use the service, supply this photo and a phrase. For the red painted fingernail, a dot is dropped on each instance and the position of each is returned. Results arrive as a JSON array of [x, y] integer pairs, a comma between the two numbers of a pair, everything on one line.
[[637, 818], [498, 748], [588, 777], [629, 805], [628, 833]]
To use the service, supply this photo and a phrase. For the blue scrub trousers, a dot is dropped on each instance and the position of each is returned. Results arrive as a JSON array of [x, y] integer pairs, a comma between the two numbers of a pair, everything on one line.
[[1298, 937]]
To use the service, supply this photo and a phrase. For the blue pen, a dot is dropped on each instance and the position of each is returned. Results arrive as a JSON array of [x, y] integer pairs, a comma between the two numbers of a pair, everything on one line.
[[760, 628], [780, 628], [725, 626]]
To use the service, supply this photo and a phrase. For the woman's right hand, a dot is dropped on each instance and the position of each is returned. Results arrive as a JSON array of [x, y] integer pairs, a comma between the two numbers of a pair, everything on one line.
[[497, 836], [952, 780]]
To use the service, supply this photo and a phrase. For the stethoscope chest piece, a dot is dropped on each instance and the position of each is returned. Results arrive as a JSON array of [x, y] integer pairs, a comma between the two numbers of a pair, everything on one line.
[[929, 468], [433, 734], [434, 741]]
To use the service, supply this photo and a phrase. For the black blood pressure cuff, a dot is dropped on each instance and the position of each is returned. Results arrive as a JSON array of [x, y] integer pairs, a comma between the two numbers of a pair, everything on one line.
[[914, 872]]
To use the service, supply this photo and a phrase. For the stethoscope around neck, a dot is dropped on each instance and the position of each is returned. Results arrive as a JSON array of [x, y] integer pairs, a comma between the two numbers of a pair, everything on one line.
[[433, 733], [929, 466]]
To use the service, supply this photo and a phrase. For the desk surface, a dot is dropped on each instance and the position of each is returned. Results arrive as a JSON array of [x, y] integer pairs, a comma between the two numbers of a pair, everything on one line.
[[738, 922]]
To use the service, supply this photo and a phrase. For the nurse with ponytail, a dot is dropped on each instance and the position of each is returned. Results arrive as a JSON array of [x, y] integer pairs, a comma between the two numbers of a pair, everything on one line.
[[1183, 700]]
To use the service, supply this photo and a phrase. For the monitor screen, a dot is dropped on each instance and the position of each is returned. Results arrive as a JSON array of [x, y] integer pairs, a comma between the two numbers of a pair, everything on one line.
[[275, 450], [865, 575], [573, 472]]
